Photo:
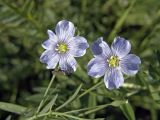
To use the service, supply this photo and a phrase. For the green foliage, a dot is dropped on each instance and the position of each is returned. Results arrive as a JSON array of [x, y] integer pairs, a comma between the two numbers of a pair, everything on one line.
[[128, 111], [24, 80], [12, 108]]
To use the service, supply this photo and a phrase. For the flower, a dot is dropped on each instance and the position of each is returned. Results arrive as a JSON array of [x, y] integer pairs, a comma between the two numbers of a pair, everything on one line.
[[62, 46], [114, 62]]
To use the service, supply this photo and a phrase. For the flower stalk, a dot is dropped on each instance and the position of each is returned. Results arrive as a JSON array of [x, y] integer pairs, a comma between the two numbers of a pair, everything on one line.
[[45, 94]]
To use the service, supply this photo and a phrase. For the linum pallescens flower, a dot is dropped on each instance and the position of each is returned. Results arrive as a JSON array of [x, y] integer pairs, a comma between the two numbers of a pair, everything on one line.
[[62, 46], [113, 62]]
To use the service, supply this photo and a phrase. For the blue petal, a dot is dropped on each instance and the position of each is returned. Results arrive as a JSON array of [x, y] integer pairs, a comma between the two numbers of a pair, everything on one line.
[[100, 48], [121, 47], [130, 64], [97, 67], [68, 64], [65, 30], [113, 79], [51, 42], [52, 35], [49, 57], [78, 46]]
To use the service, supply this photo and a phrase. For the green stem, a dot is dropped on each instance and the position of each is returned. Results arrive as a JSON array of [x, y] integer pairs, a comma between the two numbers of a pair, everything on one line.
[[85, 109], [94, 110], [45, 94], [90, 89], [57, 114]]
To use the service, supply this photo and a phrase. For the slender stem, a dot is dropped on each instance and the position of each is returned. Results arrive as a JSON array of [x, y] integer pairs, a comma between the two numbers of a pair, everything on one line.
[[70, 99], [57, 114], [84, 109], [94, 110], [89, 111], [90, 89], [45, 94]]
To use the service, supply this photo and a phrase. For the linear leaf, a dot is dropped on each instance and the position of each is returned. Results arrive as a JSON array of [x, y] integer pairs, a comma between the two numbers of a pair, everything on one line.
[[128, 111], [92, 103], [121, 20], [70, 99], [49, 105], [97, 108], [12, 108]]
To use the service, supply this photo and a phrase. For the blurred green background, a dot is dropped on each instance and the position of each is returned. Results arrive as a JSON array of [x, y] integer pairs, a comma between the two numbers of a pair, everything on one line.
[[23, 79]]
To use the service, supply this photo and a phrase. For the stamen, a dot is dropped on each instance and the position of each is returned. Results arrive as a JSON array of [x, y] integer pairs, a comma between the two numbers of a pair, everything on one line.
[[61, 48], [113, 61], [56, 49]]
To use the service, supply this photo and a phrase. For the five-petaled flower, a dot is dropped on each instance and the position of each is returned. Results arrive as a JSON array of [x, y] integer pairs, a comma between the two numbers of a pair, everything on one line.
[[113, 62], [62, 46]]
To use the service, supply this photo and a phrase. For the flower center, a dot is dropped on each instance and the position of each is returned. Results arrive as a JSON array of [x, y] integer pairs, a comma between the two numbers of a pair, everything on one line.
[[113, 61], [62, 48]]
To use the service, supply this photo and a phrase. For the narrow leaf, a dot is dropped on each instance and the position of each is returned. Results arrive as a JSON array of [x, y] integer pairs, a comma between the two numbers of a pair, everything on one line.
[[49, 105], [128, 111], [120, 21], [70, 99], [92, 103], [97, 108], [12, 108]]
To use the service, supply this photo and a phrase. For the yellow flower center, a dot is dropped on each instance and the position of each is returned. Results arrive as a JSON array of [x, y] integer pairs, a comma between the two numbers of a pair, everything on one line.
[[62, 48], [113, 61]]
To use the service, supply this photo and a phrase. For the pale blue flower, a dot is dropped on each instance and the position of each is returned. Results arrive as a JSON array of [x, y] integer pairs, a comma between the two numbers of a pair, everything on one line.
[[62, 46], [113, 62]]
